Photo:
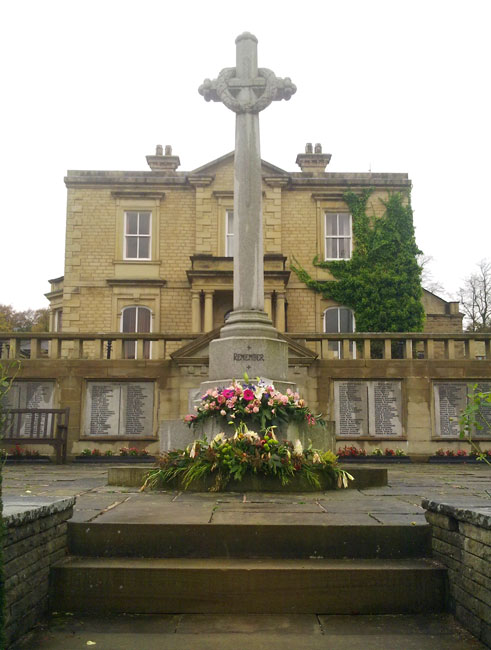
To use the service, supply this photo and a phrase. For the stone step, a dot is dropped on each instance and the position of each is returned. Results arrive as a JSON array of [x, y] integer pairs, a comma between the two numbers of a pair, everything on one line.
[[226, 586], [363, 477], [249, 540]]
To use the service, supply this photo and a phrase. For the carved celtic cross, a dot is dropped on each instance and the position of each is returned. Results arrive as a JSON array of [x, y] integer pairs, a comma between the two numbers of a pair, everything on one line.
[[247, 88]]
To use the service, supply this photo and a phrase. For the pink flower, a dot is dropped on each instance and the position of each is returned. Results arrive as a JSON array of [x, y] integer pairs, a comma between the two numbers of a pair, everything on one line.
[[256, 409], [228, 393], [223, 412], [248, 395], [189, 418]]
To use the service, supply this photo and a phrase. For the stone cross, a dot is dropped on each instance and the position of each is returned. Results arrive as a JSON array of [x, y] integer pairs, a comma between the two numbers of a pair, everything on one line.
[[247, 90]]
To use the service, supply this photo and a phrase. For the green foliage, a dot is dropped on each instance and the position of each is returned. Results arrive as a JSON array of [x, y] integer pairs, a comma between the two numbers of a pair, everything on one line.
[[230, 459], [31, 320], [474, 418], [382, 280]]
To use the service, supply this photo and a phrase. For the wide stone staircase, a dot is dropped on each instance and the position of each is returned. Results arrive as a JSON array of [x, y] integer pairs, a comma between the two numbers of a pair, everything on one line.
[[136, 559]]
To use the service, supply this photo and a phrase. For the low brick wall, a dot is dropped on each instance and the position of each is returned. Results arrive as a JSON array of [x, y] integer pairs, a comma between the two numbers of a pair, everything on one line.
[[461, 540], [35, 538]]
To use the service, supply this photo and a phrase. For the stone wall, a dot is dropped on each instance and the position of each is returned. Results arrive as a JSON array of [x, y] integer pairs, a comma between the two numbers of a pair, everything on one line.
[[462, 542], [172, 385], [35, 538]]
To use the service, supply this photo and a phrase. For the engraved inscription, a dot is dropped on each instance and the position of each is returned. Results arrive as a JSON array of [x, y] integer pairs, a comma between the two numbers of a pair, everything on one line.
[[351, 408], [248, 357], [385, 408], [119, 409], [104, 405], [450, 399], [31, 395]]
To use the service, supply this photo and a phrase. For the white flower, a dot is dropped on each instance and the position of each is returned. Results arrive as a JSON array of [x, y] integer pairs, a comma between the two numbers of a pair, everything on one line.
[[218, 438], [251, 436], [316, 458], [192, 453], [297, 448]]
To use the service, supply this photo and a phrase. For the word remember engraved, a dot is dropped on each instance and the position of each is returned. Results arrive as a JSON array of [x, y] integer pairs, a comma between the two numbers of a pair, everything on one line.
[[238, 356]]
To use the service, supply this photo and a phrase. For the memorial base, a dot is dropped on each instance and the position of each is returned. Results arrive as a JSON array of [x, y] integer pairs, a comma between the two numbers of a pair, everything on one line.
[[175, 434]]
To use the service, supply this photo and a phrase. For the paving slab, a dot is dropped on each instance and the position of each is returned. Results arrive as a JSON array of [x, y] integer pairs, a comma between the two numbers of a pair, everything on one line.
[[192, 632], [292, 518]]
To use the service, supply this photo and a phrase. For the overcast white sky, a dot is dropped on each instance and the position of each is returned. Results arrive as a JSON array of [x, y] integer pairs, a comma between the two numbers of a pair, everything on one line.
[[398, 86]]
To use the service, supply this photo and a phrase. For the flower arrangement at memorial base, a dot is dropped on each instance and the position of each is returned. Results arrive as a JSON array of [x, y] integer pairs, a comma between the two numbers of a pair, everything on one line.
[[231, 459], [259, 405]]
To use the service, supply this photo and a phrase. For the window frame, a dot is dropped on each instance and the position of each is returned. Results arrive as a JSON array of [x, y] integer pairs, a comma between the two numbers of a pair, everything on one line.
[[337, 347], [131, 345], [338, 237], [137, 235], [229, 236]]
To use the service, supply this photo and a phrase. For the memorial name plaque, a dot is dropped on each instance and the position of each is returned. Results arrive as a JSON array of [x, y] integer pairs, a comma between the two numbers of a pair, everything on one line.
[[450, 398], [31, 395], [385, 400], [368, 408], [119, 409], [351, 413]]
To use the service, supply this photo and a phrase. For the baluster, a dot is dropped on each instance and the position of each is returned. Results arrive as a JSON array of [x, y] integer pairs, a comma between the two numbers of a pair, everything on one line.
[[408, 349], [450, 349], [387, 349], [14, 349], [347, 353], [429, 348], [117, 349]]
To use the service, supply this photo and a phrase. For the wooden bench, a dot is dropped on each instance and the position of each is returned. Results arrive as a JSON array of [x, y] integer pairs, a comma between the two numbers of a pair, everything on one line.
[[37, 426]]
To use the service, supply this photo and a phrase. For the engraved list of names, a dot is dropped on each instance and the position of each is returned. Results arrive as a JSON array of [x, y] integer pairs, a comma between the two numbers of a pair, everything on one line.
[[119, 409], [368, 408], [351, 414], [385, 408], [450, 399]]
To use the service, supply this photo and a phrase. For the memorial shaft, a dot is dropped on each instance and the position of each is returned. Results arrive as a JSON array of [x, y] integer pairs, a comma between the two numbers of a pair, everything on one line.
[[248, 222]]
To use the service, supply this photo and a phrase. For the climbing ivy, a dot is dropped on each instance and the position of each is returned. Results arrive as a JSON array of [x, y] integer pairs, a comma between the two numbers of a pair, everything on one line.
[[381, 282]]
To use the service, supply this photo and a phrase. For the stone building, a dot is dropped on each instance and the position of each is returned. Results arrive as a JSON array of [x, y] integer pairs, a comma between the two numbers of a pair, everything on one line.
[[148, 281], [152, 251]]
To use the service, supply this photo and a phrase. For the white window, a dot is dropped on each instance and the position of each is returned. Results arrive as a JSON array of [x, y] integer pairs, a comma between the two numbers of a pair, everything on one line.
[[338, 236], [58, 320], [339, 320], [139, 320], [137, 237], [229, 233]]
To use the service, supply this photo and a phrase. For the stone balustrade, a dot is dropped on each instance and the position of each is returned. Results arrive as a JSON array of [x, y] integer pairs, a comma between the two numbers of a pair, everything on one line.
[[396, 346], [115, 346], [98, 345]]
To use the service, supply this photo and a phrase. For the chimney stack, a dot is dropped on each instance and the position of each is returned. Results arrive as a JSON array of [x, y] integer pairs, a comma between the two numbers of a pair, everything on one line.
[[313, 161], [167, 163]]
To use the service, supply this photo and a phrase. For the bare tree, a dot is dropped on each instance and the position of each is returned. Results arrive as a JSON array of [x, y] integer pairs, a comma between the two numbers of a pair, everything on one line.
[[475, 297], [428, 280]]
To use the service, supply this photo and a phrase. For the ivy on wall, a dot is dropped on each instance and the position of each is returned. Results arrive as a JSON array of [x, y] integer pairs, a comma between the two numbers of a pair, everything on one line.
[[381, 282]]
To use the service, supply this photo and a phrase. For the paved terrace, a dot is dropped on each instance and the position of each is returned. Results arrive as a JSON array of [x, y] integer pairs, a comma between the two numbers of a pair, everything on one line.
[[397, 503]]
